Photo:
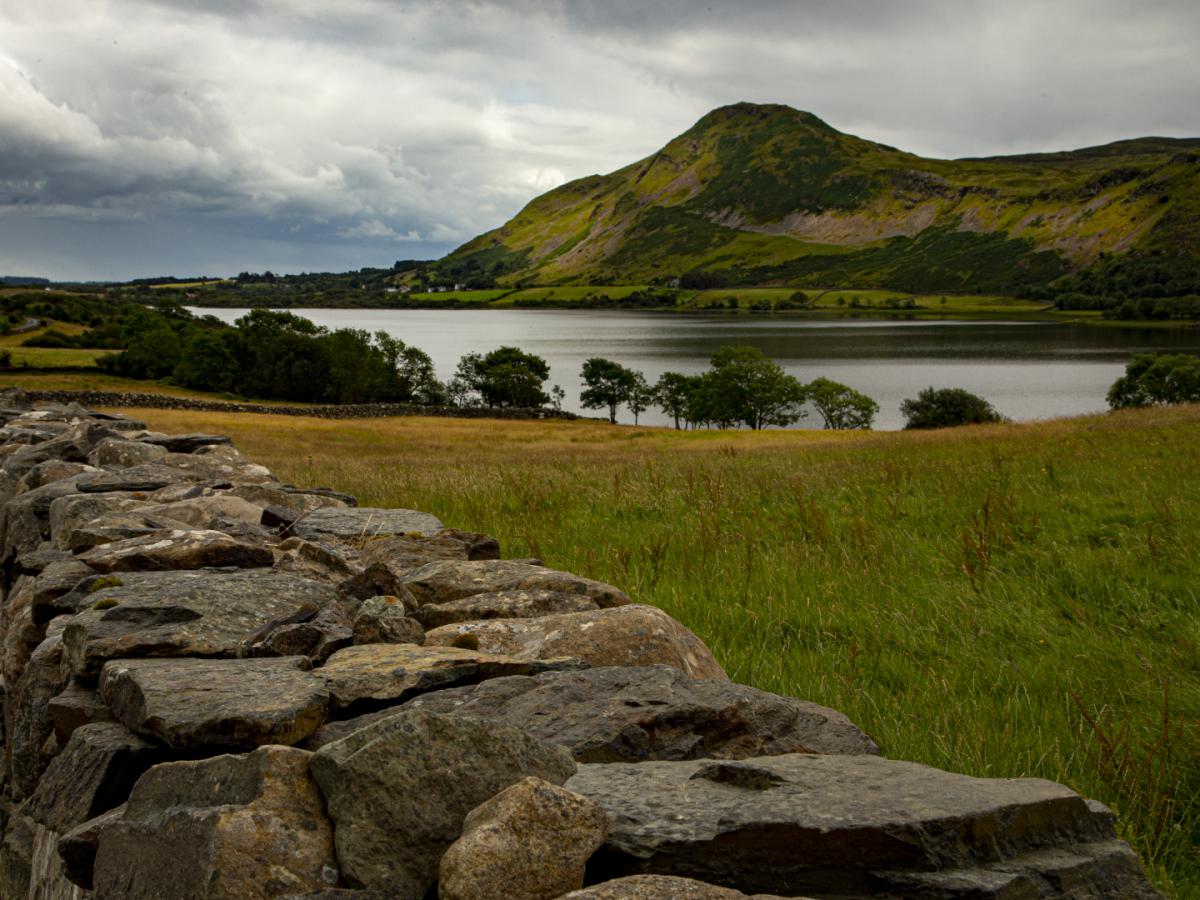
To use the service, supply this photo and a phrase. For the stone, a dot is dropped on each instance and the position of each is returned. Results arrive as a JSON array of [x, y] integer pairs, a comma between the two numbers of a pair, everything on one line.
[[197, 549], [25, 519], [446, 580], [363, 523], [77, 848], [853, 826], [94, 773], [368, 676], [209, 511], [280, 517], [56, 581], [389, 559], [623, 636], [398, 791], [35, 561], [317, 639], [502, 605], [120, 526], [27, 725], [145, 477], [73, 511], [196, 613], [660, 887], [186, 443], [235, 703], [245, 827], [532, 840], [327, 561], [289, 497], [383, 620], [76, 706], [120, 453], [614, 714], [49, 471]]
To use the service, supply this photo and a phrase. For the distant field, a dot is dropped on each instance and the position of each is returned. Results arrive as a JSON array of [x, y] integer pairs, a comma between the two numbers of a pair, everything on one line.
[[38, 357], [575, 292], [461, 296], [188, 285], [1018, 600]]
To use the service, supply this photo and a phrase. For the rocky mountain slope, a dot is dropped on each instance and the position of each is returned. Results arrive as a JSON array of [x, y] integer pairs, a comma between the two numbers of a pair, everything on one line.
[[756, 194]]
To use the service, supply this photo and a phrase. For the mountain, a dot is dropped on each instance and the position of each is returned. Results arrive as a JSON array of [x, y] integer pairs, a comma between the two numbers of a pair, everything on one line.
[[761, 194]]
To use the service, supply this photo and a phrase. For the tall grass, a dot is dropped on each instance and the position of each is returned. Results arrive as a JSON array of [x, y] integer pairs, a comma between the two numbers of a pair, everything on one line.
[[1001, 601]]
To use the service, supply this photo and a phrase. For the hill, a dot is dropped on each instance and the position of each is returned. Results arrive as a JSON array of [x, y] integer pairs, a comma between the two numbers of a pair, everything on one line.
[[765, 194]]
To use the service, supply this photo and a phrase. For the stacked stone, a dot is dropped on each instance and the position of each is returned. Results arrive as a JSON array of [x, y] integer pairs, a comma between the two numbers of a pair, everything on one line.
[[216, 685]]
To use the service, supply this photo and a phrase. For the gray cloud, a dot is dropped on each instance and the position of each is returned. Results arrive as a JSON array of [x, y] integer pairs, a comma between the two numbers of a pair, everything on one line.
[[147, 137]]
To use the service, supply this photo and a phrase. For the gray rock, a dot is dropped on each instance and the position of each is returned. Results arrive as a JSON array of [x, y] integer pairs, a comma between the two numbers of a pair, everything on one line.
[[245, 827], [531, 840], [502, 605], [24, 520], [328, 561], [199, 613], [35, 561], [186, 443], [362, 523], [209, 511], [75, 510], [236, 703], [614, 714], [369, 676], [659, 887], [172, 550], [399, 790], [28, 730], [77, 848], [633, 635], [146, 477], [317, 639], [120, 526], [388, 560], [76, 706], [845, 826], [49, 471], [122, 454], [384, 620], [447, 580], [94, 773], [285, 495]]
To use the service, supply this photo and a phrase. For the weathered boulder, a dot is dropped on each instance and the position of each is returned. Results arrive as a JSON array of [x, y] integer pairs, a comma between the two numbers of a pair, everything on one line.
[[660, 887], [174, 550], [614, 714], [55, 581], [185, 443], [388, 560], [144, 477], [28, 730], [516, 604], [76, 706], [384, 620], [118, 526], [24, 520], [195, 613], [119, 453], [399, 790], [623, 636], [362, 523], [236, 827], [209, 511], [77, 848], [369, 676], [329, 561], [94, 773], [844, 826], [447, 580], [273, 494], [237, 703], [34, 562], [51, 470], [74, 510], [532, 840]]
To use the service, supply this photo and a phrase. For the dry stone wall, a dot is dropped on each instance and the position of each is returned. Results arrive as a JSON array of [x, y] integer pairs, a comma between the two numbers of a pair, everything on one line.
[[216, 685]]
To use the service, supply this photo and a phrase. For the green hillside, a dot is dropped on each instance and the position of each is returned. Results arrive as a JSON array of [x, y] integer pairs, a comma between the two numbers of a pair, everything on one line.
[[757, 194]]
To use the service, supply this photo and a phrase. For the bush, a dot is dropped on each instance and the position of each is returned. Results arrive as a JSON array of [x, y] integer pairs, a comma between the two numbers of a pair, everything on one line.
[[946, 408], [1157, 379]]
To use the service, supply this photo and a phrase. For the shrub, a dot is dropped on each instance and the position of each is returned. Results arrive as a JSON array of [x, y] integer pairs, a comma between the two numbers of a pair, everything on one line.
[[947, 407], [1157, 379]]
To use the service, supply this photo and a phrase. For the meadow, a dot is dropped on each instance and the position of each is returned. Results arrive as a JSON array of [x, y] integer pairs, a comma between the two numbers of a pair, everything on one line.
[[1015, 600]]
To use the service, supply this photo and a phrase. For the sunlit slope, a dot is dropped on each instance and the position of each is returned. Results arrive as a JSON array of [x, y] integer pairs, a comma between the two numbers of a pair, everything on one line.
[[762, 194]]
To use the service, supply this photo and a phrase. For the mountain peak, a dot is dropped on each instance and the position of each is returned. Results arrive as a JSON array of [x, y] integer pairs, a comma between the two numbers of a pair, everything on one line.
[[759, 114]]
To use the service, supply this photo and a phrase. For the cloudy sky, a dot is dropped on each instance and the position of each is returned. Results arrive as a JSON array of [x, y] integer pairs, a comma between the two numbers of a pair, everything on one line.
[[174, 137]]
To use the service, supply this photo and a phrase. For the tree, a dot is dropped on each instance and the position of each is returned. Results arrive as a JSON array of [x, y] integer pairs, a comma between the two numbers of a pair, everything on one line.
[[841, 407], [672, 393], [641, 395], [947, 407], [505, 377], [745, 386], [557, 395], [607, 383], [1157, 379]]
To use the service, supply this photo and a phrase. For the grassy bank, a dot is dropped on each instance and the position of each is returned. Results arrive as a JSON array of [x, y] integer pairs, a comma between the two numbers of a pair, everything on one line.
[[1003, 601]]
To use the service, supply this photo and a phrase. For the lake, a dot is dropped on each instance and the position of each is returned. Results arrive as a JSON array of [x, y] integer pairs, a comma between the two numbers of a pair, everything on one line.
[[1026, 370]]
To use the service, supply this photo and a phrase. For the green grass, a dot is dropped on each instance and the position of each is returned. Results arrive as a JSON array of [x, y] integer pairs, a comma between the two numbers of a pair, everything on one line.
[[48, 357], [480, 297], [1019, 600]]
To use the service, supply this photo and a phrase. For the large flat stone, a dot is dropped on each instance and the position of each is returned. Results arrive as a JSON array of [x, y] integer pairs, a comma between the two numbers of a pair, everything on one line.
[[447, 580], [517, 604], [614, 714], [237, 703], [399, 790], [175, 550], [200, 613], [231, 827], [623, 636], [659, 887], [354, 523], [369, 676], [851, 826]]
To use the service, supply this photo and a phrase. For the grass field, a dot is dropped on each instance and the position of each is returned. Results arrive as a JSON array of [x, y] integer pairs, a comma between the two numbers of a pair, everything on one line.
[[39, 357], [1018, 600]]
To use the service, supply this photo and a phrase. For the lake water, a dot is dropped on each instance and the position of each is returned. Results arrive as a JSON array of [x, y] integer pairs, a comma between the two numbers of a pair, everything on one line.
[[1026, 370]]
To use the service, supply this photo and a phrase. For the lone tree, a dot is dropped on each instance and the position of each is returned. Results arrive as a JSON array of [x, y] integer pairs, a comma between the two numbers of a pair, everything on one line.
[[841, 407], [673, 393], [947, 407], [745, 386], [607, 383], [505, 377], [1157, 379], [641, 396]]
